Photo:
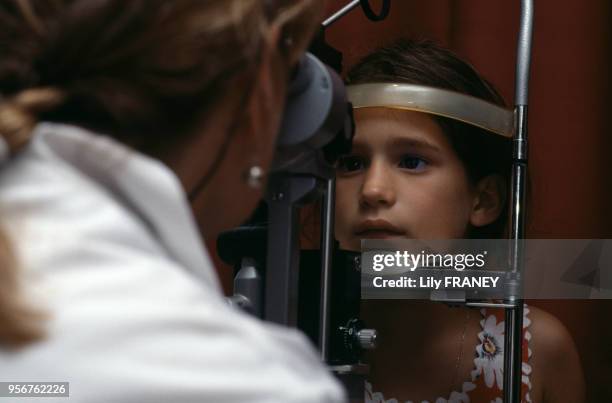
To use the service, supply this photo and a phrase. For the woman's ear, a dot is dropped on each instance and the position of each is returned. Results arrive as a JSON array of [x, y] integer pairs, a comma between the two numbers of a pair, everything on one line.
[[489, 200]]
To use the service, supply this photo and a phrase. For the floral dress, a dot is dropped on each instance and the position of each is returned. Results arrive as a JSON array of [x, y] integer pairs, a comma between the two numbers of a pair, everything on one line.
[[486, 383]]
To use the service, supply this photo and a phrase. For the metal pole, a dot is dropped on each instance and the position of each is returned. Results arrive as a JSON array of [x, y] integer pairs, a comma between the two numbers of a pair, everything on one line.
[[283, 261], [514, 315], [340, 13], [524, 53], [327, 247]]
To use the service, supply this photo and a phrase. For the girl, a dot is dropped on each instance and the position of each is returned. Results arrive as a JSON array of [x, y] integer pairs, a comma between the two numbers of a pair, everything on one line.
[[414, 175]]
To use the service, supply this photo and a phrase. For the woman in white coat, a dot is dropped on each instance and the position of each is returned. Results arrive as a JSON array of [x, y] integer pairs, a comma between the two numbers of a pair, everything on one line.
[[128, 131]]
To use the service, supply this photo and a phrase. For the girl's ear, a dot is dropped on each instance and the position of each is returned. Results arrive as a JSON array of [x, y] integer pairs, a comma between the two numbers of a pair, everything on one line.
[[489, 200]]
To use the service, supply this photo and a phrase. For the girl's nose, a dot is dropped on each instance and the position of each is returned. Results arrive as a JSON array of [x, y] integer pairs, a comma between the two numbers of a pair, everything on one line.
[[377, 189]]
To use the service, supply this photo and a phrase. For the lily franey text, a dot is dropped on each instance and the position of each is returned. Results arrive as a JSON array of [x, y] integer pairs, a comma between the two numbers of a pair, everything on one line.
[[436, 284]]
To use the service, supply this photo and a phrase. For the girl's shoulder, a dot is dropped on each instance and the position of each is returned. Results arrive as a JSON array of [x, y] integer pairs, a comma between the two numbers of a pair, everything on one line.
[[556, 365], [553, 339]]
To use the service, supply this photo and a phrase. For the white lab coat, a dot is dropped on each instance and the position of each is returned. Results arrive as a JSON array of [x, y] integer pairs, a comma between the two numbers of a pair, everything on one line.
[[109, 248]]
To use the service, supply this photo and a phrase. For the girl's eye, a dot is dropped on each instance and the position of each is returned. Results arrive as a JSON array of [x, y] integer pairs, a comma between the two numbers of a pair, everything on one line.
[[351, 163], [412, 163]]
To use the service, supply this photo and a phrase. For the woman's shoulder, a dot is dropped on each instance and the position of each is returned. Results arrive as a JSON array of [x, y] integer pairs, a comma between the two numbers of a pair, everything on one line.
[[555, 361]]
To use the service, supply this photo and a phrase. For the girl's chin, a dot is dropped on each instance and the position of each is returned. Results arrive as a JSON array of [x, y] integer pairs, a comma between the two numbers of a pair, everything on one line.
[[354, 244]]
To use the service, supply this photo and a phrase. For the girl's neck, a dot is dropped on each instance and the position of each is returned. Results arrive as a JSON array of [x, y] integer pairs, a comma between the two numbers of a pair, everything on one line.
[[420, 318]]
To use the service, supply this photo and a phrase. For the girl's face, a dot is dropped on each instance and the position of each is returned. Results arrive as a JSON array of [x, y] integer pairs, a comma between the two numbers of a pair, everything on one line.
[[402, 180]]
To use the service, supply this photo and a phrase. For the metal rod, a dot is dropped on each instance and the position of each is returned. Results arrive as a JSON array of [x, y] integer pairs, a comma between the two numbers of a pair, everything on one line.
[[488, 305], [523, 57], [281, 292], [514, 314], [340, 13], [327, 247], [513, 353]]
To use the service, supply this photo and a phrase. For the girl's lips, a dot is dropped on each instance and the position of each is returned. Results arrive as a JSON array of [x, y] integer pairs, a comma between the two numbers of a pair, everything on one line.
[[379, 234], [378, 228]]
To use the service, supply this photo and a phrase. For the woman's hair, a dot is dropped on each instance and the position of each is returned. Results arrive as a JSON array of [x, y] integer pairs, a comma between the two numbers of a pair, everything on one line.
[[146, 72], [425, 63]]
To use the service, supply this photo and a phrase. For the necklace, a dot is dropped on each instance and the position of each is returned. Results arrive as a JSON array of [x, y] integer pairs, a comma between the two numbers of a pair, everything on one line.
[[460, 355]]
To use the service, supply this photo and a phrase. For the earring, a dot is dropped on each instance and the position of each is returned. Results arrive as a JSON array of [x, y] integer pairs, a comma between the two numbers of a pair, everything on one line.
[[288, 42], [254, 177]]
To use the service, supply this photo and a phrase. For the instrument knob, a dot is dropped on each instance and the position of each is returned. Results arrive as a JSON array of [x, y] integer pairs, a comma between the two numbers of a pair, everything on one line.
[[367, 339]]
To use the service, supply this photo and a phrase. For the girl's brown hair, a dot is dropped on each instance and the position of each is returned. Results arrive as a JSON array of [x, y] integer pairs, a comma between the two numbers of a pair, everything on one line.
[[143, 71]]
